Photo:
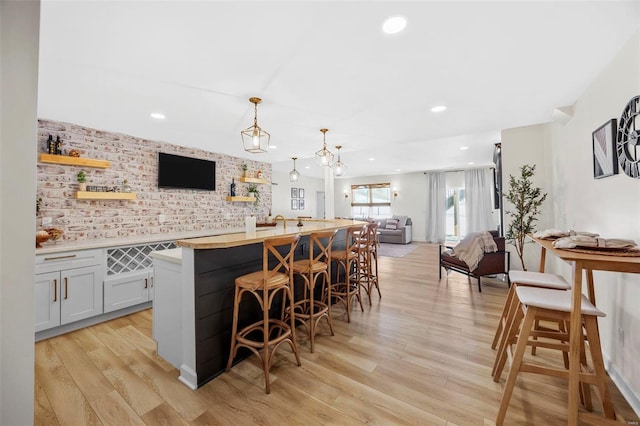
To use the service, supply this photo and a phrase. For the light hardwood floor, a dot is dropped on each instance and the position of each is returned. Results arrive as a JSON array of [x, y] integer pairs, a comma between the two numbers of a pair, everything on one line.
[[420, 355]]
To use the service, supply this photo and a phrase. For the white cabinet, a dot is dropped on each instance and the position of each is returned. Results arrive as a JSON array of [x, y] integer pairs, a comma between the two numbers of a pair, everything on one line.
[[65, 289], [128, 289]]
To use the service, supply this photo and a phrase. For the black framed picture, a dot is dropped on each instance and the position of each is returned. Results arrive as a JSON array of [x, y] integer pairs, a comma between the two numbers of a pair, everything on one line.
[[301, 204], [294, 204], [294, 192], [605, 161], [300, 192]]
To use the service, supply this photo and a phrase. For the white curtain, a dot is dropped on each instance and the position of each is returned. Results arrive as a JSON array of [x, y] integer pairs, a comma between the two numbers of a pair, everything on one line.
[[436, 207], [478, 186]]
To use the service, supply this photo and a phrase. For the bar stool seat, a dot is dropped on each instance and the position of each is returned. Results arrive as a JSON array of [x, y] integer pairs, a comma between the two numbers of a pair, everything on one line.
[[536, 303], [309, 310], [268, 333]]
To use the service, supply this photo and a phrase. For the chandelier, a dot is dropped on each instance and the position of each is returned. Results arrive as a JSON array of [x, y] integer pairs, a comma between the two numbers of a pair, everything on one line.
[[255, 139]]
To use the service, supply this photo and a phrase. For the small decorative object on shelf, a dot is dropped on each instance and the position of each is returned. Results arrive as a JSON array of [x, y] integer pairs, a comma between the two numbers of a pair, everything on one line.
[[125, 186], [82, 180], [54, 233], [232, 188], [74, 153], [252, 191], [259, 174], [244, 168]]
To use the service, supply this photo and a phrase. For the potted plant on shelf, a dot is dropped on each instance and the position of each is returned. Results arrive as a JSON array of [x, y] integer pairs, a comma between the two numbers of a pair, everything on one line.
[[244, 168], [252, 191], [526, 200], [81, 177]]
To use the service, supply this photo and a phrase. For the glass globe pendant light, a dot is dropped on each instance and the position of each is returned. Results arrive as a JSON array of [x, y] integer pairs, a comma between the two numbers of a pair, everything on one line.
[[339, 167], [294, 175], [324, 156]]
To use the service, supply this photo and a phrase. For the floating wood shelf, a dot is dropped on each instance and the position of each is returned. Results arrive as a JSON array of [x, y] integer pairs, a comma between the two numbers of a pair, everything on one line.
[[92, 195], [73, 161], [252, 180], [243, 199]]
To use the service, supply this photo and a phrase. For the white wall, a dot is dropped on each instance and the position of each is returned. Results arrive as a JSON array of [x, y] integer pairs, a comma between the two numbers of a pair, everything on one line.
[[609, 206], [19, 29], [281, 195], [528, 145], [411, 200]]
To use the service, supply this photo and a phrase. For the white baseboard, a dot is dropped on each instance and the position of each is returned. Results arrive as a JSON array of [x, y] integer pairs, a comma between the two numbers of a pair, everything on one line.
[[623, 386]]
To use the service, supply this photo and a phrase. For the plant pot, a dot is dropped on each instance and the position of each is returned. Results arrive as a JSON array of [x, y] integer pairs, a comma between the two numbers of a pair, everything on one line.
[[82, 186], [245, 173]]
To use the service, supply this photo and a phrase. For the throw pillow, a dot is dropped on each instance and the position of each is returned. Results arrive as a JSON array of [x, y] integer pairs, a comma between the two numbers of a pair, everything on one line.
[[392, 224]]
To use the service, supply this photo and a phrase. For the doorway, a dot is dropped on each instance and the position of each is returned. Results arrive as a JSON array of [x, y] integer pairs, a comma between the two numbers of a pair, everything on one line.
[[320, 211]]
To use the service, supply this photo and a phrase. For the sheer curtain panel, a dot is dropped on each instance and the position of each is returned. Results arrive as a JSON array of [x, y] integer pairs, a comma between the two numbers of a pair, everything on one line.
[[479, 210], [436, 207]]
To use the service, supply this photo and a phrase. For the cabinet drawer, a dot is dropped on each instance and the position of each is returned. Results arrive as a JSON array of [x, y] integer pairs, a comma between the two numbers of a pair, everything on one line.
[[67, 260]]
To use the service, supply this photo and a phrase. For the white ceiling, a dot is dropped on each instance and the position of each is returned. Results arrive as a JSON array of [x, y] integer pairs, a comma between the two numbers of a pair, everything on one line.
[[496, 65]]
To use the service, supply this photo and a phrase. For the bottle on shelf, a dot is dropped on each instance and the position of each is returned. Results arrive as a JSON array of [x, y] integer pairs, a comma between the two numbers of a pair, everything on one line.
[[58, 146], [232, 188], [51, 145]]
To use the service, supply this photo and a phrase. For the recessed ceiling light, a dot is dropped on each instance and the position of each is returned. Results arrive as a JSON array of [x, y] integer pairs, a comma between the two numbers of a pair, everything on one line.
[[470, 163], [372, 159], [462, 148], [273, 147], [394, 24], [158, 116], [307, 167], [397, 170], [438, 108]]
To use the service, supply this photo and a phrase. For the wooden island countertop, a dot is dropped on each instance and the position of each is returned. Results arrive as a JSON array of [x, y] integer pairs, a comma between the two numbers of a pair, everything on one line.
[[260, 234]]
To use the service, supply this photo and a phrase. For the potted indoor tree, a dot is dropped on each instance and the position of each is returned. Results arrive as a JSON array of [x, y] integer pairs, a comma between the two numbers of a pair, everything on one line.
[[526, 200], [81, 177]]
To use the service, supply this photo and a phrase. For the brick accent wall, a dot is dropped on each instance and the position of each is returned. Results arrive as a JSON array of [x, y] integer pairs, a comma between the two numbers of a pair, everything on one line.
[[136, 160]]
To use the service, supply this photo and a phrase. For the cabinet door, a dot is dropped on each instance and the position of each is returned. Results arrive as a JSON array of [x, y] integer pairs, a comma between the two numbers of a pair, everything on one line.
[[81, 293], [128, 289], [47, 300]]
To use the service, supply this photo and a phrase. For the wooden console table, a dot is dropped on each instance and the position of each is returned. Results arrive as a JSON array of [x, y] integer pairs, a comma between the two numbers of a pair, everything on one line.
[[583, 262]]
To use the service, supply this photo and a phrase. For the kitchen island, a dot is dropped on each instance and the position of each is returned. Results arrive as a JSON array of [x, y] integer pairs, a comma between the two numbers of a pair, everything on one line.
[[193, 306]]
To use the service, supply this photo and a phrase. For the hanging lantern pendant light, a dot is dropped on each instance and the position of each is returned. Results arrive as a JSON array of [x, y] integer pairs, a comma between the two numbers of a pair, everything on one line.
[[324, 156], [254, 138]]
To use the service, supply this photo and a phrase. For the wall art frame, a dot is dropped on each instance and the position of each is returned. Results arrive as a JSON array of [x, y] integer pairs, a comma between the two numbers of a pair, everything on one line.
[[605, 159]]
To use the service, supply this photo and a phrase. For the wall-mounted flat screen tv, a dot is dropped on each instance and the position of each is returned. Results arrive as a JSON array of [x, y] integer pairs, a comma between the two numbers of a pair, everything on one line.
[[176, 171]]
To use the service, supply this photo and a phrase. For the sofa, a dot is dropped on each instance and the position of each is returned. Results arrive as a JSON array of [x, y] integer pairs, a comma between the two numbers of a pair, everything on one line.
[[497, 262], [396, 230]]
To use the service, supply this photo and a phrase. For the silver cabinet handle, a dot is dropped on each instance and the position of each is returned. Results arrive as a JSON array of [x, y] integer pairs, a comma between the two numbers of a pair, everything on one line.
[[71, 256]]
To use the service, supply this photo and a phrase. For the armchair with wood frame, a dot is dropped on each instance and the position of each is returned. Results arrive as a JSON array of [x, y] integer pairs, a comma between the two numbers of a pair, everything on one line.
[[498, 262]]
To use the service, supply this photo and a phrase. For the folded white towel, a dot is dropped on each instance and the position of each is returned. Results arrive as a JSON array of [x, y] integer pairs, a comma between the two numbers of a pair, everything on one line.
[[556, 233], [585, 241]]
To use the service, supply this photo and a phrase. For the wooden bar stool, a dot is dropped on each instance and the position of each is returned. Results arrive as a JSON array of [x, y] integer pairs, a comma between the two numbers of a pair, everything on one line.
[[309, 310], [538, 303], [511, 305], [368, 260], [268, 333], [347, 259]]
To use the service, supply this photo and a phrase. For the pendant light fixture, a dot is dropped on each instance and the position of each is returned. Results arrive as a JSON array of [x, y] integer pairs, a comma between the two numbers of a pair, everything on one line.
[[339, 167], [324, 156], [255, 139], [294, 175]]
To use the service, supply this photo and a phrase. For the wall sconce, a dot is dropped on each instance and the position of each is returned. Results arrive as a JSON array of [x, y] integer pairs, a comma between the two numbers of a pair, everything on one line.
[[346, 194], [395, 192]]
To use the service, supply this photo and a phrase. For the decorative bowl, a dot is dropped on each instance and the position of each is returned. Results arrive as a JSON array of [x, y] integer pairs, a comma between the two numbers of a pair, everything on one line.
[[41, 239]]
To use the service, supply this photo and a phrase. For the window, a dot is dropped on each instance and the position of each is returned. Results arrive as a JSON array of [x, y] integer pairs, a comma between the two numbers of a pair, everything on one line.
[[371, 200]]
